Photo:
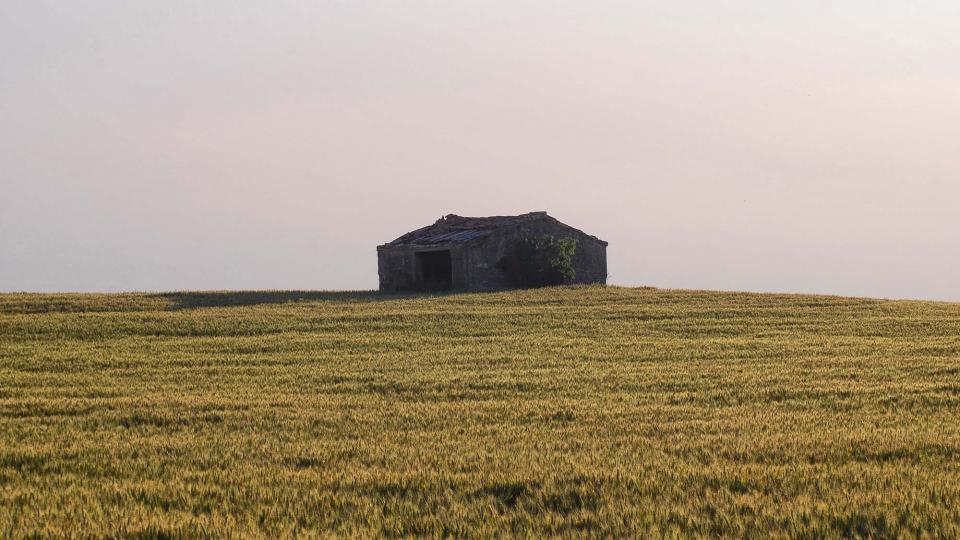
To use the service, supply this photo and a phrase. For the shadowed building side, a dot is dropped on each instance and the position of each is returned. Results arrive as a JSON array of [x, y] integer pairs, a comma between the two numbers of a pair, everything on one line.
[[463, 253]]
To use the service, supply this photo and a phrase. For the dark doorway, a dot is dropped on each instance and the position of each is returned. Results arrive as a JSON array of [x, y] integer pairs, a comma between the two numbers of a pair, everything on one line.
[[434, 271]]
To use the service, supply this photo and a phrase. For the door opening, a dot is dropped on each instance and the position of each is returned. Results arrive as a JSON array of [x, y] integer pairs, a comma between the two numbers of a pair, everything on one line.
[[434, 270]]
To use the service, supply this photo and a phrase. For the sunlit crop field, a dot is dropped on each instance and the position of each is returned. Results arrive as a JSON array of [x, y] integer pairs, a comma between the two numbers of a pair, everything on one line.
[[562, 411]]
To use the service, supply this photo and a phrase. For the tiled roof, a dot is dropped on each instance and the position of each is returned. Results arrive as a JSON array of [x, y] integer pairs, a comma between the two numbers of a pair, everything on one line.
[[454, 229]]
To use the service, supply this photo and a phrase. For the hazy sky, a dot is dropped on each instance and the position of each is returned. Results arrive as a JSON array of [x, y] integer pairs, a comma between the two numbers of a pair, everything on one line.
[[770, 146]]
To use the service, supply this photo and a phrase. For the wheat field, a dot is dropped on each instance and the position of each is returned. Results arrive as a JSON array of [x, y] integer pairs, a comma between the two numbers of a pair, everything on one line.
[[570, 411]]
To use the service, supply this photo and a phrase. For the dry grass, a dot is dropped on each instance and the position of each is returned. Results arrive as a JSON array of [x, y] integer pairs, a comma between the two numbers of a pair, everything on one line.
[[569, 411]]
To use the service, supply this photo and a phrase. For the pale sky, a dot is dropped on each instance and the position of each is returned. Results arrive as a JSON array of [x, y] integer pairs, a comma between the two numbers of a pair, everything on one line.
[[762, 146]]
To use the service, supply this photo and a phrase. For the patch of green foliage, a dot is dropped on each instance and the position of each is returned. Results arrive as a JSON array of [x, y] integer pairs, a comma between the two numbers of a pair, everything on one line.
[[540, 261], [560, 411]]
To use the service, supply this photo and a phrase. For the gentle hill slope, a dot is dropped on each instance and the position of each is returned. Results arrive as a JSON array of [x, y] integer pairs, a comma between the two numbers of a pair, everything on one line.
[[596, 410]]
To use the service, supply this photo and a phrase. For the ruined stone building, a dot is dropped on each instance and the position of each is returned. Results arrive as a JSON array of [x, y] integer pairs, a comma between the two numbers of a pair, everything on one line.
[[462, 253]]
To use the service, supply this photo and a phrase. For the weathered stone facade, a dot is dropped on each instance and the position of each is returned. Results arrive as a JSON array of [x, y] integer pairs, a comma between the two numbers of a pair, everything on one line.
[[462, 253]]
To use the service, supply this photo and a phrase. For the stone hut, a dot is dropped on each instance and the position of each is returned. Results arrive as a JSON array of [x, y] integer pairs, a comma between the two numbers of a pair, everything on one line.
[[462, 253]]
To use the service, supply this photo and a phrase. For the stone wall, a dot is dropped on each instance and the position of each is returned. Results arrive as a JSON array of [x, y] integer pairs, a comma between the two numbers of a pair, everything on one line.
[[480, 261]]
